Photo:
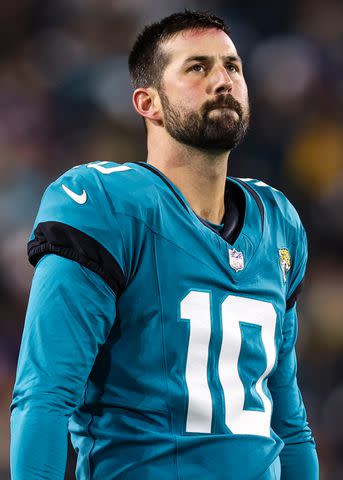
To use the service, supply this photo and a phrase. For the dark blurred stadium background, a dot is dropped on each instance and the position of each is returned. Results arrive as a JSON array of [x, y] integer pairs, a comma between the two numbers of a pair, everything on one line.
[[65, 100]]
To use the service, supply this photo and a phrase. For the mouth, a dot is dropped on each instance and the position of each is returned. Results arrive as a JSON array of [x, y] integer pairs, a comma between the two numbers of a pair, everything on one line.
[[225, 108]]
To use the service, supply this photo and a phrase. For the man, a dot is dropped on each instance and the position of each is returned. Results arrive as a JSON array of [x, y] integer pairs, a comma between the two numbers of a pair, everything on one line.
[[161, 323]]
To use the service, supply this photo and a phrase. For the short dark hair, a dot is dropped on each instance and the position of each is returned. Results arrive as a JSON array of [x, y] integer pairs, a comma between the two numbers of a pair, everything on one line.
[[147, 61]]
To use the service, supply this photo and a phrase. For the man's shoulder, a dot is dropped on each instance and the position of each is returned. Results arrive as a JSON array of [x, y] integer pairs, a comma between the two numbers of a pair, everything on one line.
[[276, 204], [88, 214], [102, 185], [99, 200]]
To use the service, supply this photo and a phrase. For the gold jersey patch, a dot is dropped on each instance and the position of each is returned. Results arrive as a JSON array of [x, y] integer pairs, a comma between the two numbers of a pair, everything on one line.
[[285, 262]]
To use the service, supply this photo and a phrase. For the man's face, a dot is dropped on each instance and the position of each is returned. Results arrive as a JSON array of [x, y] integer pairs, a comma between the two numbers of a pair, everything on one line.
[[203, 93]]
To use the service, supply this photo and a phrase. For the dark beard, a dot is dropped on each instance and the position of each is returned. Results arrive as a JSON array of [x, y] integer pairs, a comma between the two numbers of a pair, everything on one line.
[[221, 133]]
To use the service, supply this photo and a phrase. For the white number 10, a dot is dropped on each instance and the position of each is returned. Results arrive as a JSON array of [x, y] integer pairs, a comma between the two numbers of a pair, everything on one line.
[[196, 307]]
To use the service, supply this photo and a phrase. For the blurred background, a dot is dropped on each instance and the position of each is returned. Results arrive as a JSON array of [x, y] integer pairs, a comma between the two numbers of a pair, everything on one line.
[[65, 100]]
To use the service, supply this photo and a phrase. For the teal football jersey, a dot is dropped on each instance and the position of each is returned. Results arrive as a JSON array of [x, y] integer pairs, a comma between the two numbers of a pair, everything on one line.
[[193, 372]]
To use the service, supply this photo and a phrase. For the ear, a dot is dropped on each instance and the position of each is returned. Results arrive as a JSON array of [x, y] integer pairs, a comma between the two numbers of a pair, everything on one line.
[[147, 104]]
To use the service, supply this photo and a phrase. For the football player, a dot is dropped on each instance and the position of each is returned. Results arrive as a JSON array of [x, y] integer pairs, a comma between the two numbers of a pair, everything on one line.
[[161, 325]]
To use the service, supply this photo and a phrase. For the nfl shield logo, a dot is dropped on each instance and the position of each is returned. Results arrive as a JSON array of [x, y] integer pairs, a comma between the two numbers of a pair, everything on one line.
[[236, 259]]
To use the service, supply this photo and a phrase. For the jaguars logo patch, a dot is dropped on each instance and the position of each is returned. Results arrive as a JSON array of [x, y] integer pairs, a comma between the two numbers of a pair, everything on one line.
[[285, 262]]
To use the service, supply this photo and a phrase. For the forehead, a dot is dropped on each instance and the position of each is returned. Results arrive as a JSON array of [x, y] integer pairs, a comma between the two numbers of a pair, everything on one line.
[[198, 42]]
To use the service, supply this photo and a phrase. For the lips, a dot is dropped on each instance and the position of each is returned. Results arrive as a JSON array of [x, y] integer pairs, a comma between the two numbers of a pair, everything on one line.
[[224, 108]]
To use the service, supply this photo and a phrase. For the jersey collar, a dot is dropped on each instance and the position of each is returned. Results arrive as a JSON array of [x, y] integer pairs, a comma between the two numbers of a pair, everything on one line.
[[244, 211]]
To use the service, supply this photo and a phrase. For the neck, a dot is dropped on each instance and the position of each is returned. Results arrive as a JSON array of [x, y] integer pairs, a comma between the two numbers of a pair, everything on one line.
[[199, 175]]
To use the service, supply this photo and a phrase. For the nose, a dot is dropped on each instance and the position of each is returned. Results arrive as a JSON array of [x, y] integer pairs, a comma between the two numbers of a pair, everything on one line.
[[222, 82]]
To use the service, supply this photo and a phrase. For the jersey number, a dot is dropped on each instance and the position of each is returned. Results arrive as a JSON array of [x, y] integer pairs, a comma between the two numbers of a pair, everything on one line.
[[196, 308], [100, 167]]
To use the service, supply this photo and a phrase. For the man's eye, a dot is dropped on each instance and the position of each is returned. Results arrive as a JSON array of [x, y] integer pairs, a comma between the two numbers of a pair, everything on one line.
[[198, 67], [232, 67]]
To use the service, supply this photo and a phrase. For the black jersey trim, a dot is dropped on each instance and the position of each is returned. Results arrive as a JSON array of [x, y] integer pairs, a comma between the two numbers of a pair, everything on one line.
[[256, 198], [166, 181], [235, 207], [235, 211], [66, 241], [293, 298]]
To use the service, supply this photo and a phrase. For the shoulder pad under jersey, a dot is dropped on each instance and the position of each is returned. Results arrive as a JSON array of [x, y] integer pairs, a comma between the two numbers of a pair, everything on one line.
[[79, 218], [283, 221]]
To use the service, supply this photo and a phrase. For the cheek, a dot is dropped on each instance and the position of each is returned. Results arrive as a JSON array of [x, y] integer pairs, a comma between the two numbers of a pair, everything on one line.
[[242, 95], [183, 90], [184, 100]]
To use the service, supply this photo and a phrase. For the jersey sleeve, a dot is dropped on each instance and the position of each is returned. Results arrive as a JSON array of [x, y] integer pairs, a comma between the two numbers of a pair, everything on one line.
[[76, 220], [289, 420], [70, 313]]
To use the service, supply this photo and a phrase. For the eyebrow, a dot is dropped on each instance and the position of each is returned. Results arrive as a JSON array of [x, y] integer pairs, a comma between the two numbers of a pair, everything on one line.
[[206, 58]]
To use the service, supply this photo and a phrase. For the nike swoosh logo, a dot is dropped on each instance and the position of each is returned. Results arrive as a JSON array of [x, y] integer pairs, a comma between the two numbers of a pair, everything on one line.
[[78, 198]]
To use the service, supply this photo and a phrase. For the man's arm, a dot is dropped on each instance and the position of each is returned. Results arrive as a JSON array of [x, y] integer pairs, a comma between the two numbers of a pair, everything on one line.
[[70, 313], [299, 457]]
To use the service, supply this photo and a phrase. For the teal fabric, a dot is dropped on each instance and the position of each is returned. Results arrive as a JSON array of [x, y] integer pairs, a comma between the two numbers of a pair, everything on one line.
[[217, 227], [121, 373], [252, 353], [61, 340]]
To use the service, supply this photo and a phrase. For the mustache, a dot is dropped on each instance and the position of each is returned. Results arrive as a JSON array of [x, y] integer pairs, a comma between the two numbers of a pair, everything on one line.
[[224, 101]]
